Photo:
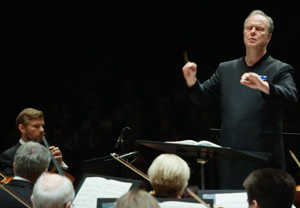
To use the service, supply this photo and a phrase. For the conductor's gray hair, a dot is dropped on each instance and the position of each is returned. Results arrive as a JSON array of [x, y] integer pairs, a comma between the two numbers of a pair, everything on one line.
[[268, 18]]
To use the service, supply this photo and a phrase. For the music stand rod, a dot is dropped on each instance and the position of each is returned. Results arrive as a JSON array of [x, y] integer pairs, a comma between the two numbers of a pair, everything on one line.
[[202, 163]]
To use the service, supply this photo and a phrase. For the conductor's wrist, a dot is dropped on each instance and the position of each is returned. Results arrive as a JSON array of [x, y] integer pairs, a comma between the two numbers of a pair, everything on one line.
[[191, 83]]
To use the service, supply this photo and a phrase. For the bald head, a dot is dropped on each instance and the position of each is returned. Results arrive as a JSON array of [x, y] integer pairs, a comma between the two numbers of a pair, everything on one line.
[[52, 191]]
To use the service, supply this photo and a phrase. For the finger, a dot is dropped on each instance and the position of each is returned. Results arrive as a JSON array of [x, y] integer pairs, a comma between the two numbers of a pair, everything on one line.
[[51, 147], [58, 157], [244, 77], [245, 82], [189, 65], [56, 152], [251, 76], [192, 65]]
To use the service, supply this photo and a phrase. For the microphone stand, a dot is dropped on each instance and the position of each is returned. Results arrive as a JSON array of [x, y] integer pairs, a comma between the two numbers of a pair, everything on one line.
[[120, 146], [120, 141]]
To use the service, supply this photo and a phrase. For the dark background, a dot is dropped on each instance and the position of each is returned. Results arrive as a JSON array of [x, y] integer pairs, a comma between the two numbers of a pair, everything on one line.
[[95, 69]]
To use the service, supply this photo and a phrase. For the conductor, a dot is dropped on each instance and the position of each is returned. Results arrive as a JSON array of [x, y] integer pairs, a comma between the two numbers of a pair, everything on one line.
[[253, 91]]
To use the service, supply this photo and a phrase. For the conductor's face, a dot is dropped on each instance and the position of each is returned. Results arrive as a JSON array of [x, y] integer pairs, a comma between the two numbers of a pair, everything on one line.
[[33, 130], [256, 34]]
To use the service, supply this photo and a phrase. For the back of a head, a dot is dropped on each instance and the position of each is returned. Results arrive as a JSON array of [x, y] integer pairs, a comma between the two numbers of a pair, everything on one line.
[[169, 175], [52, 191], [31, 160], [270, 188], [136, 199]]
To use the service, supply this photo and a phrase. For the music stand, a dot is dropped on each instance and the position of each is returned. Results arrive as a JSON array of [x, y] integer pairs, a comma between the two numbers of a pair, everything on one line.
[[204, 153]]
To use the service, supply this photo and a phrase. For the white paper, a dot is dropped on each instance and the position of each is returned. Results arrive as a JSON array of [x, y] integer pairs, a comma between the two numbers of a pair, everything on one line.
[[98, 187], [232, 200], [179, 204], [193, 142]]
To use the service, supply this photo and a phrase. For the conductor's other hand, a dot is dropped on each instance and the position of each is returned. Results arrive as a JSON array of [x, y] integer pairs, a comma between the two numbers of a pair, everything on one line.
[[189, 71], [253, 80]]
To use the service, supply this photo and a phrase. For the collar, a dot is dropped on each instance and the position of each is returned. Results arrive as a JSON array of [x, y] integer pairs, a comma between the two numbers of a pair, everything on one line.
[[21, 179], [259, 61], [21, 141]]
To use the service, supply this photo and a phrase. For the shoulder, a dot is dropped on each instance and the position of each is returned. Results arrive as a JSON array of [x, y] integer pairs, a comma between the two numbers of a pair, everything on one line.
[[8, 201], [278, 65], [22, 188], [12, 149], [231, 63], [20, 185]]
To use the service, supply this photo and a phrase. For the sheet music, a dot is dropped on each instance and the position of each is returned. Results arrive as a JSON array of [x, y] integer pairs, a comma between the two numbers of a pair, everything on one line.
[[193, 142], [98, 187], [232, 200], [179, 204]]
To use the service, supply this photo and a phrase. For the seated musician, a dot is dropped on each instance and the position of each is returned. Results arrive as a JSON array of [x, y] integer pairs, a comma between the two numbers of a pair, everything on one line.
[[30, 161], [52, 190], [30, 123], [169, 175], [135, 199], [270, 188]]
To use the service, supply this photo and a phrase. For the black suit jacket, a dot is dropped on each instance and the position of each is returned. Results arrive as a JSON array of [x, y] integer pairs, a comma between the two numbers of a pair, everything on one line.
[[251, 120], [7, 158], [22, 189]]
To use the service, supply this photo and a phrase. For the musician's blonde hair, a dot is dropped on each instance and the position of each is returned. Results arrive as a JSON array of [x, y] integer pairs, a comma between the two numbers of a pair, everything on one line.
[[28, 114], [169, 175]]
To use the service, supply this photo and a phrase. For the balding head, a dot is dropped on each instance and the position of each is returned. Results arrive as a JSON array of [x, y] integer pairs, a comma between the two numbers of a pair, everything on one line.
[[52, 191]]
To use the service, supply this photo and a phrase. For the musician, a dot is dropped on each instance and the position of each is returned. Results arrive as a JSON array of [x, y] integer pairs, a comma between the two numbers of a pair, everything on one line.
[[169, 175], [30, 123], [270, 188], [253, 91], [135, 199], [52, 190], [30, 161]]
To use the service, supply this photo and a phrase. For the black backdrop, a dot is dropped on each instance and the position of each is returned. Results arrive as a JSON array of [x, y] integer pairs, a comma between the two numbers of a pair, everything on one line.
[[95, 69]]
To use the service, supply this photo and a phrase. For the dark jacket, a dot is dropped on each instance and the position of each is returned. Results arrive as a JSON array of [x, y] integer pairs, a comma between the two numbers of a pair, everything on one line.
[[21, 189], [251, 120]]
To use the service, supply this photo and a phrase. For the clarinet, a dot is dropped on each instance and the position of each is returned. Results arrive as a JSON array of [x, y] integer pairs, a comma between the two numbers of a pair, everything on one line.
[[57, 166]]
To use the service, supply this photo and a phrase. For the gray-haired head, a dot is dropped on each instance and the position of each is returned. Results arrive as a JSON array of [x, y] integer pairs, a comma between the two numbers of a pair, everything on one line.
[[268, 18], [135, 199], [52, 191], [31, 160]]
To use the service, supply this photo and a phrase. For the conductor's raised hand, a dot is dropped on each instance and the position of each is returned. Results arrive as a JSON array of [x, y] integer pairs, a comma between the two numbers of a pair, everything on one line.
[[189, 71], [253, 80]]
